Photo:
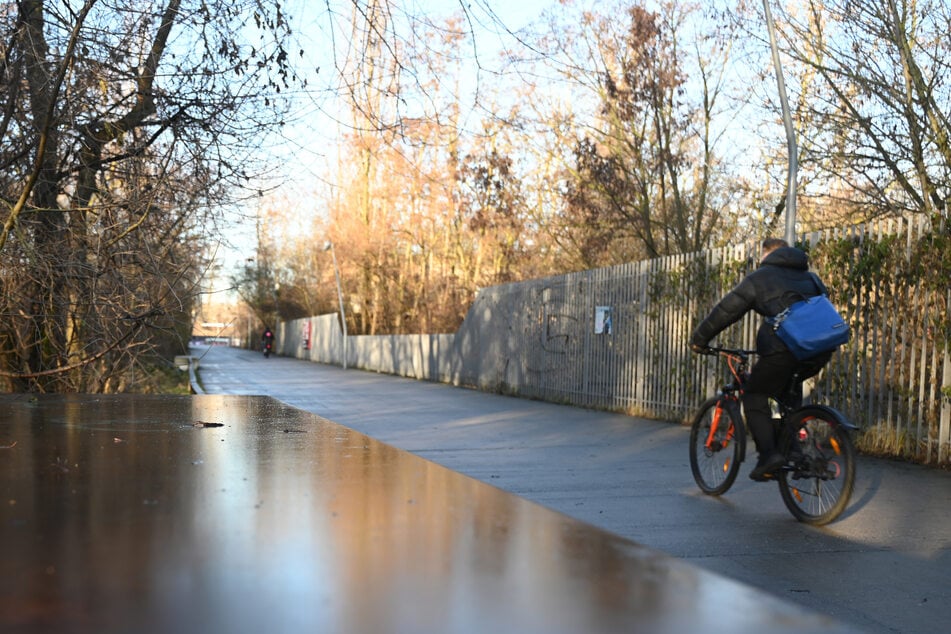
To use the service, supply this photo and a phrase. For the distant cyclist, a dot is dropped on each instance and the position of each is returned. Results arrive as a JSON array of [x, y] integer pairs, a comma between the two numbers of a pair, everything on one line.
[[267, 338], [782, 278]]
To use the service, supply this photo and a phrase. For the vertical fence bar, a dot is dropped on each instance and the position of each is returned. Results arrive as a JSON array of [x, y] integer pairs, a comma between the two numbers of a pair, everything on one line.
[[881, 359], [944, 424], [917, 342], [900, 340], [644, 269], [910, 325]]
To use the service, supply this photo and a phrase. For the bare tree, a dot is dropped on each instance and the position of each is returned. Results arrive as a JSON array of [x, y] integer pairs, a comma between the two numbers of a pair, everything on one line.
[[875, 109], [126, 126], [644, 178]]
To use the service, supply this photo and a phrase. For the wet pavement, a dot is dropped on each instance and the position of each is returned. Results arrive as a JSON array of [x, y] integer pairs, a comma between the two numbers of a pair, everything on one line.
[[883, 567], [243, 514]]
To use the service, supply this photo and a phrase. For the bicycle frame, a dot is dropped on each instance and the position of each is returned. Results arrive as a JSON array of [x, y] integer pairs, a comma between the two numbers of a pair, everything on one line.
[[732, 403], [729, 398]]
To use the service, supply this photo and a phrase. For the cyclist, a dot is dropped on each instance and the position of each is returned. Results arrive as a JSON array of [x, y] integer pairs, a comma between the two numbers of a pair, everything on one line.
[[267, 340], [782, 278]]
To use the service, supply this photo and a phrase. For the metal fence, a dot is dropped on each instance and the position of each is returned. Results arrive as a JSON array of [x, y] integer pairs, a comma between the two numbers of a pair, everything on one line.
[[616, 338]]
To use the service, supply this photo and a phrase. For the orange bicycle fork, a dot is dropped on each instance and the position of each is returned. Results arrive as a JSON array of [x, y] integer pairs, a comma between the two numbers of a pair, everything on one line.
[[733, 432]]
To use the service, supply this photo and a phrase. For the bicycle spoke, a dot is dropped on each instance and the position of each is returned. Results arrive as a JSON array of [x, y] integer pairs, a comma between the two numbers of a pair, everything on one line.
[[818, 496]]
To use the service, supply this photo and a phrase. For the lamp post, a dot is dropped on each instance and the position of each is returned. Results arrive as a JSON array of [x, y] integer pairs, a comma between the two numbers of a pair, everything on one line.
[[343, 318], [790, 132]]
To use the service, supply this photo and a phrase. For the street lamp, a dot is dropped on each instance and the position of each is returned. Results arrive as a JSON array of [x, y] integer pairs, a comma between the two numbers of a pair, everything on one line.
[[791, 148], [343, 318]]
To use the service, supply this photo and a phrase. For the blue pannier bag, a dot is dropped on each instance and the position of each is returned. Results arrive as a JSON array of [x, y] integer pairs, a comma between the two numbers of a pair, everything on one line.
[[810, 327]]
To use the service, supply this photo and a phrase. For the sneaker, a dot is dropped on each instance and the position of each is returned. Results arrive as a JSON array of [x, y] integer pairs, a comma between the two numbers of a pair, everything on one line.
[[766, 465]]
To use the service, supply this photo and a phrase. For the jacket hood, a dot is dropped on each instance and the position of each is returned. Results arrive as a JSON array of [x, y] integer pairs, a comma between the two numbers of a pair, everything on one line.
[[789, 257]]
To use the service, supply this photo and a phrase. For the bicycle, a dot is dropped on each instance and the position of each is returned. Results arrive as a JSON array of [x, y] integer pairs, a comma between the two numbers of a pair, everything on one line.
[[817, 479]]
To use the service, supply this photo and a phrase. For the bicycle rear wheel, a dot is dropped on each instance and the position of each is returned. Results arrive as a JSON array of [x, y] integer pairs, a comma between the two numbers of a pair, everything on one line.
[[818, 485], [715, 447]]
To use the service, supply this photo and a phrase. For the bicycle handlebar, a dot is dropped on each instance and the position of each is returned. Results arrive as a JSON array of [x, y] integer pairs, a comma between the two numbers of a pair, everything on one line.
[[716, 350]]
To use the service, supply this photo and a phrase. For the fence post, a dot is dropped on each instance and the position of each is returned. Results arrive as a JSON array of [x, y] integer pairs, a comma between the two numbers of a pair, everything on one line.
[[944, 425]]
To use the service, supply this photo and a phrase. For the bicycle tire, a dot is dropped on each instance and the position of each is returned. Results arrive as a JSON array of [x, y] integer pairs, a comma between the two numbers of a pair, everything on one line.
[[715, 468], [818, 484]]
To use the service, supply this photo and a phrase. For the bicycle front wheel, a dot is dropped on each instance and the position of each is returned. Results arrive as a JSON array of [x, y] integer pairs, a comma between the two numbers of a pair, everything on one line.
[[817, 486], [715, 447]]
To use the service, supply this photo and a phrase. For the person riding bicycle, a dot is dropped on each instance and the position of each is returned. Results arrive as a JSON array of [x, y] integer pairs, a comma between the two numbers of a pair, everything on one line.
[[782, 278]]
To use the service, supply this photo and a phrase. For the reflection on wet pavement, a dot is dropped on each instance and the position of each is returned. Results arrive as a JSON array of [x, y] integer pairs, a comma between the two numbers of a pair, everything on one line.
[[240, 514]]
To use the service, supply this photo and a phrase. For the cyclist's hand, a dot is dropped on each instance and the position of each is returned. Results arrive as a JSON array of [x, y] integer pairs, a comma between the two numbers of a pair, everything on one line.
[[699, 349]]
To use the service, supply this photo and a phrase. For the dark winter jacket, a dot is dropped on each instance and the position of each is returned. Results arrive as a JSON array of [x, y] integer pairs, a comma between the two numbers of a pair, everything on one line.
[[782, 279]]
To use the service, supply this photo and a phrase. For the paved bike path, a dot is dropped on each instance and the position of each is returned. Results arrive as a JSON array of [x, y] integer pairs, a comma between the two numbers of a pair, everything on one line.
[[885, 566]]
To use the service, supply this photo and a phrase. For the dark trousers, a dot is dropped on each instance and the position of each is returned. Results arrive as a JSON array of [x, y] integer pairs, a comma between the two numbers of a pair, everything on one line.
[[770, 378]]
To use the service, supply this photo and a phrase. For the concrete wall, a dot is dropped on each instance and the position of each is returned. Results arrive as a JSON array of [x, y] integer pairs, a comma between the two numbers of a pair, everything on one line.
[[426, 357], [479, 355]]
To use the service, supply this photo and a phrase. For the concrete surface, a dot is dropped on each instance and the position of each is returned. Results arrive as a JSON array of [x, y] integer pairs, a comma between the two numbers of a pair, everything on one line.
[[243, 515], [885, 566]]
